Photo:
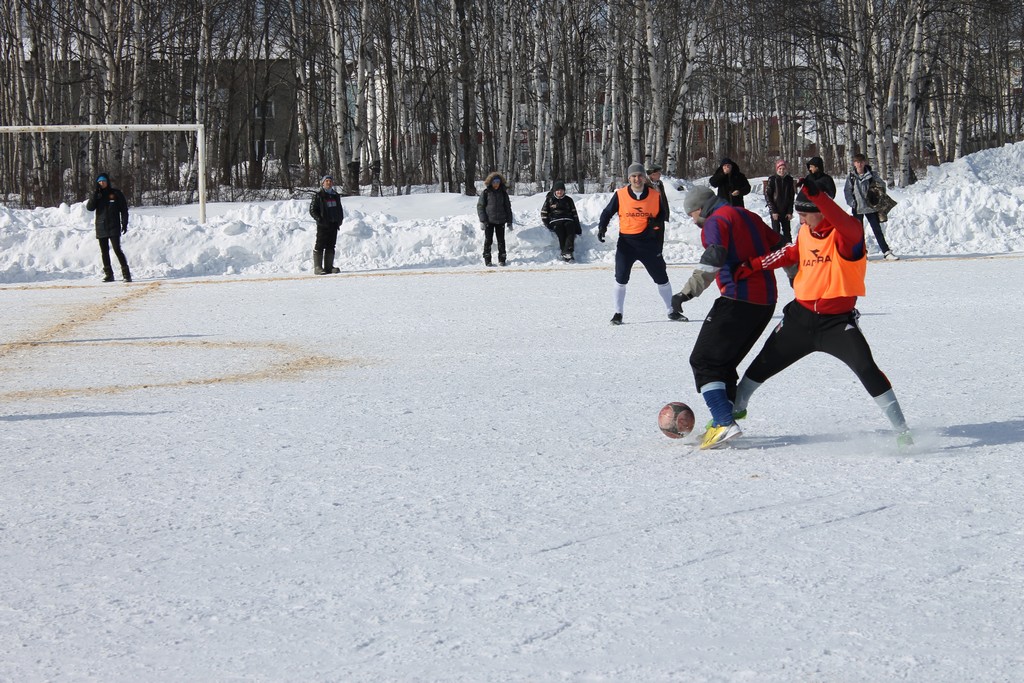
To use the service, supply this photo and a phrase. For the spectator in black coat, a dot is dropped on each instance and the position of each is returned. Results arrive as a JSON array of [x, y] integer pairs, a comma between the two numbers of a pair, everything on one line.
[[494, 209], [816, 170], [111, 222], [558, 213], [326, 210], [654, 177], [779, 195], [731, 183]]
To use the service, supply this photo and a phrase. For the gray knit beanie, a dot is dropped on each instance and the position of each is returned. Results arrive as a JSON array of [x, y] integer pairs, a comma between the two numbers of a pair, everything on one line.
[[696, 198], [635, 168]]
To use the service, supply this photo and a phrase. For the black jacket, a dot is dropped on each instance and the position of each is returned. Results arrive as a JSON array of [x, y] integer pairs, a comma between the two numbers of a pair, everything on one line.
[[824, 180], [665, 209], [555, 210], [111, 210], [494, 206], [326, 208], [727, 184], [780, 193]]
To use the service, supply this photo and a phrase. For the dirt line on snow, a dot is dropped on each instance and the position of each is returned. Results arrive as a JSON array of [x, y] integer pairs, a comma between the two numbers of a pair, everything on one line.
[[86, 315], [296, 362], [287, 361]]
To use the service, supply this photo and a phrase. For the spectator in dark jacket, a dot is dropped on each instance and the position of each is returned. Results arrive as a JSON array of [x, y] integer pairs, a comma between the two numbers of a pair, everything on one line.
[[779, 195], [111, 222], [731, 183], [558, 213], [816, 171], [494, 209], [654, 177], [326, 210]]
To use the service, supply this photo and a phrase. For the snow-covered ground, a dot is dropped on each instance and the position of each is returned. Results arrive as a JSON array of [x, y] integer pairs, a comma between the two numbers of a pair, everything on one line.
[[425, 470]]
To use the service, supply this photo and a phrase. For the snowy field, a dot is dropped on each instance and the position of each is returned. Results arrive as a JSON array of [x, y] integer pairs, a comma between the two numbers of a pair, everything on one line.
[[425, 470]]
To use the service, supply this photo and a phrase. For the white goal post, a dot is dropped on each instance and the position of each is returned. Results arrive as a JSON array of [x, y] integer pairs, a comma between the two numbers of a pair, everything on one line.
[[140, 127]]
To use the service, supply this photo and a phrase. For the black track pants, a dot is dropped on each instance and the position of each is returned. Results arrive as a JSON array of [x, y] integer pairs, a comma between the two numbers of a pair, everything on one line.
[[803, 332], [729, 331], [645, 248]]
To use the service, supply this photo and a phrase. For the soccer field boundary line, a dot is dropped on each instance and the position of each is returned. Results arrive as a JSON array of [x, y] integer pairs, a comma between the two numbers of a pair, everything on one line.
[[448, 271]]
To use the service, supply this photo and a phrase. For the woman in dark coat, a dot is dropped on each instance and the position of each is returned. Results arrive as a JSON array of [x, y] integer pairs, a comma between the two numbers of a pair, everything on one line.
[[494, 209], [731, 183]]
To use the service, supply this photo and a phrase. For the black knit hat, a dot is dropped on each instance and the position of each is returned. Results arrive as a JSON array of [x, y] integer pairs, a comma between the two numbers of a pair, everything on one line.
[[559, 185], [804, 205]]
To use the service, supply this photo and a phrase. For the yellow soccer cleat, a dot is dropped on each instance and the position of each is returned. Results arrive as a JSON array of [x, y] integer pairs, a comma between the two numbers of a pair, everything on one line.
[[716, 436]]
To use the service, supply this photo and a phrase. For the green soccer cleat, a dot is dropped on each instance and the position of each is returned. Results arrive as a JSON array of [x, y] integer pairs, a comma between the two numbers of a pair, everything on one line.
[[741, 415], [904, 439]]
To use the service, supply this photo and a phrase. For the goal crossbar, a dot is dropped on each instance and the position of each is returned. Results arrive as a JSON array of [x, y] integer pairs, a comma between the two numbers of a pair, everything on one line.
[[197, 128]]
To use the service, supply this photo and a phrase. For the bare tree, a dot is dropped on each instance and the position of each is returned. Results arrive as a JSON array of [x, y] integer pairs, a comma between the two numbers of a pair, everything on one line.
[[404, 92]]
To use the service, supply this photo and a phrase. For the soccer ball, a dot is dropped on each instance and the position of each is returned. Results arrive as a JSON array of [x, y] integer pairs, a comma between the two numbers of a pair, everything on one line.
[[676, 420]]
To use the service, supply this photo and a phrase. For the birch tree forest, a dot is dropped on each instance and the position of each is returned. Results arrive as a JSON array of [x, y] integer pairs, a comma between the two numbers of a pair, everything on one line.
[[391, 94]]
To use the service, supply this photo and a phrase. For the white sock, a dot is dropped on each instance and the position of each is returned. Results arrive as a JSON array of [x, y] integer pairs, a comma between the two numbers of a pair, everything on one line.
[[744, 390], [666, 295], [890, 405], [619, 297]]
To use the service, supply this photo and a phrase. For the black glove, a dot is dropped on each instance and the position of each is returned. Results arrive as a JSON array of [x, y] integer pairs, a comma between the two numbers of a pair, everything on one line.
[[483, 226], [810, 186], [601, 232], [677, 301], [124, 229], [509, 226]]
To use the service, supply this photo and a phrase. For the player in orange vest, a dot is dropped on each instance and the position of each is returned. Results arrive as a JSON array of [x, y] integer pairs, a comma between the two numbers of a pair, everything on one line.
[[641, 221], [832, 259]]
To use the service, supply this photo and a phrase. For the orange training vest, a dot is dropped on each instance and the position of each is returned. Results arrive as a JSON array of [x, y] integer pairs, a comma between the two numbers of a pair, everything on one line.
[[634, 213], [824, 274]]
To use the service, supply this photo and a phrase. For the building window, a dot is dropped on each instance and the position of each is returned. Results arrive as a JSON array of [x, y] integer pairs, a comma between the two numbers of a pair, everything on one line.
[[265, 149], [264, 110]]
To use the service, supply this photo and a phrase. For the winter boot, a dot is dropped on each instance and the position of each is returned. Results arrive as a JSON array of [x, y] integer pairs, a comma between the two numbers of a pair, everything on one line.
[[318, 262], [108, 276], [329, 268]]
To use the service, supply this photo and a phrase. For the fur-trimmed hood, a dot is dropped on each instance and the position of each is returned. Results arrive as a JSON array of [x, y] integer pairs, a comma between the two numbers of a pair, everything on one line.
[[492, 176]]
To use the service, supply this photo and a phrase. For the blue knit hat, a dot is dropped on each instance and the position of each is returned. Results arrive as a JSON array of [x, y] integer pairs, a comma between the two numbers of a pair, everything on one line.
[[101, 177]]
